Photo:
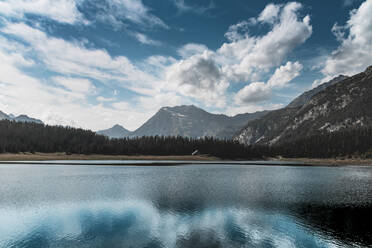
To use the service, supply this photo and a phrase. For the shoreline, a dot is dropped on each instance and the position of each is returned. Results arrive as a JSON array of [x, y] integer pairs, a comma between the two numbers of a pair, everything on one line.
[[328, 161], [62, 156], [148, 160]]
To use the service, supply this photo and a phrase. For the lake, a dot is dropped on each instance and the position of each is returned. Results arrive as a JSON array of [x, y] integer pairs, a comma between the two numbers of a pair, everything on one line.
[[213, 205]]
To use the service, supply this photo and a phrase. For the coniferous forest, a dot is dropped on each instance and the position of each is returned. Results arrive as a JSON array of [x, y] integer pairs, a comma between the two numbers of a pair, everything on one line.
[[32, 137]]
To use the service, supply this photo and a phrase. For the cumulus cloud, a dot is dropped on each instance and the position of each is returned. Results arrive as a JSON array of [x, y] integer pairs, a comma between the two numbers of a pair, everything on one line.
[[206, 75], [259, 91], [199, 77], [238, 31], [284, 74], [354, 53], [269, 14], [249, 56], [254, 92], [64, 11]]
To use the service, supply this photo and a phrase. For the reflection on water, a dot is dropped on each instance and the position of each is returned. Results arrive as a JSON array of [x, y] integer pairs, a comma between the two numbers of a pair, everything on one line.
[[195, 206]]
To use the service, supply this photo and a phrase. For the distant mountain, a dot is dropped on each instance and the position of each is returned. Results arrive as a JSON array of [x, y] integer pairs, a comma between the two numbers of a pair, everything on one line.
[[116, 131], [20, 118], [25, 118], [344, 104], [187, 121], [190, 121], [3, 116]]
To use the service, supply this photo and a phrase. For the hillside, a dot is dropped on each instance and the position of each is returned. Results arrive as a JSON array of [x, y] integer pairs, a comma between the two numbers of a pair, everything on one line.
[[342, 105]]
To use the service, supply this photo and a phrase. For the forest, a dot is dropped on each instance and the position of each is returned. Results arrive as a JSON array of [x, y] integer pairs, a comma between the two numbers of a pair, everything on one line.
[[31, 137], [18, 137]]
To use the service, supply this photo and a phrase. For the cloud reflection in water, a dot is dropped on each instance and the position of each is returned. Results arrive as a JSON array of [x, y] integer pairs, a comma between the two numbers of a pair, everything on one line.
[[141, 224]]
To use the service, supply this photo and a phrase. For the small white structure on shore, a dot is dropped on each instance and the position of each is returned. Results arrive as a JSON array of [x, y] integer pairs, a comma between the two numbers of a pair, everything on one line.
[[196, 152]]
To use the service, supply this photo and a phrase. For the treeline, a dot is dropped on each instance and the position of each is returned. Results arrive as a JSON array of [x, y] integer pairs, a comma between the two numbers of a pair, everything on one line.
[[31, 137], [344, 143]]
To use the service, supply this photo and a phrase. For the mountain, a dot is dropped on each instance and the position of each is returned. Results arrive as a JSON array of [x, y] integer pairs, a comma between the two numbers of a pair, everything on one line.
[[3, 116], [20, 118], [187, 121], [25, 118], [305, 97], [116, 131], [190, 121], [344, 104]]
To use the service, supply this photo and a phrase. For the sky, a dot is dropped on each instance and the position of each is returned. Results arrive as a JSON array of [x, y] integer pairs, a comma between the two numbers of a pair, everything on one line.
[[96, 63]]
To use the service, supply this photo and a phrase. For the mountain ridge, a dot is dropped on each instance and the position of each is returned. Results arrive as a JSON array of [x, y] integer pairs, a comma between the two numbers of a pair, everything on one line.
[[191, 121], [341, 105], [19, 118], [306, 96]]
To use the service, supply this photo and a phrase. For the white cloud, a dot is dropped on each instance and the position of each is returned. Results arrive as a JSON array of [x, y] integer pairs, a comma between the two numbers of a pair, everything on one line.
[[23, 94], [254, 92], [284, 74], [71, 58], [64, 11], [183, 7], [198, 77], [259, 91], [105, 99], [191, 49], [153, 103], [66, 102], [121, 105], [81, 85], [238, 31], [205, 75], [269, 14], [117, 12], [144, 39], [354, 53], [249, 56]]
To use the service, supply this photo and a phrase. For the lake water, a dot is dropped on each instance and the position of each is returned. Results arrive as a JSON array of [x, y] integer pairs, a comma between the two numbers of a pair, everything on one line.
[[214, 205]]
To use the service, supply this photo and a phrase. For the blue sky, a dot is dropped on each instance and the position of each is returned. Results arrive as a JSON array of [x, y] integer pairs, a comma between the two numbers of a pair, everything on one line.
[[95, 63]]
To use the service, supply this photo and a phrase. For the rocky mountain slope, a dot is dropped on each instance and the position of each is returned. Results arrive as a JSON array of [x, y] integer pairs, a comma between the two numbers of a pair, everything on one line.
[[20, 118], [306, 96], [344, 104], [116, 131], [190, 121]]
